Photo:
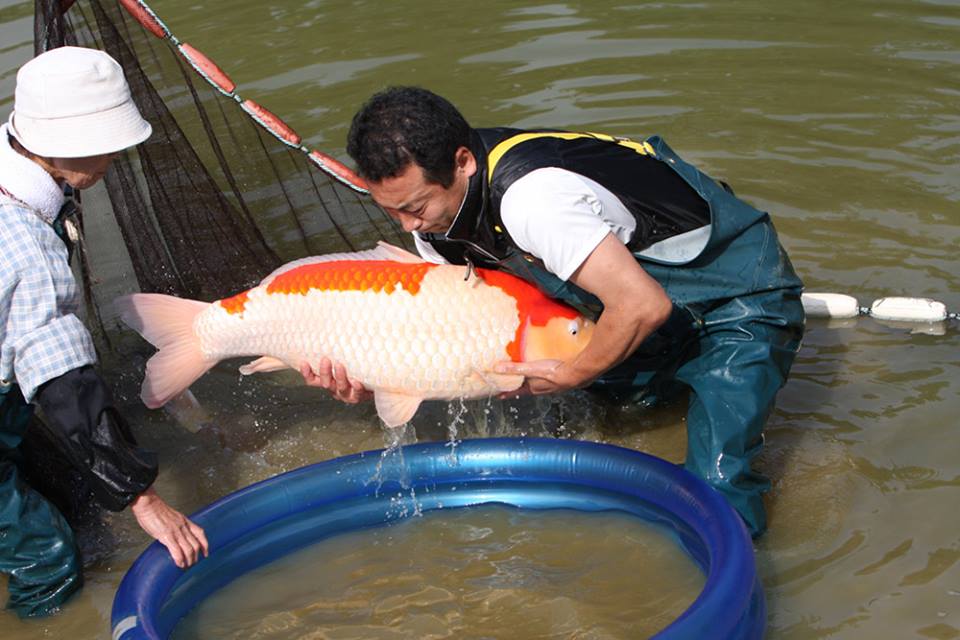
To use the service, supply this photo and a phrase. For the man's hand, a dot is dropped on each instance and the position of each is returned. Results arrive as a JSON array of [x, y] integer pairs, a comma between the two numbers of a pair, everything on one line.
[[542, 376], [182, 538], [334, 378]]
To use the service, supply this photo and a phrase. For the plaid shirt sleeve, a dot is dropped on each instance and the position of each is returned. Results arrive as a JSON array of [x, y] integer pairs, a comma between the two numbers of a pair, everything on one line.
[[41, 338]]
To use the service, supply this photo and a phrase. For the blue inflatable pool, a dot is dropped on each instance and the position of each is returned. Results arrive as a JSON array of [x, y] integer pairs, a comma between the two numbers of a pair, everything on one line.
[[267, 520]]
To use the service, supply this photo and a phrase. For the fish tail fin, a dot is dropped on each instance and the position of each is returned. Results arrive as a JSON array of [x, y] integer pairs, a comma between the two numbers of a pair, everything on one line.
[[167, 323]]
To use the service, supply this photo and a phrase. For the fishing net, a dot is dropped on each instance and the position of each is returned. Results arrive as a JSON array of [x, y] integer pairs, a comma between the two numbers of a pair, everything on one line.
[[223, 191]]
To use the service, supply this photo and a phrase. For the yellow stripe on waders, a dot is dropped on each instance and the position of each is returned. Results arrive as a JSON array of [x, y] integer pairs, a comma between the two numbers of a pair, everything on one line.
[[643, 148]]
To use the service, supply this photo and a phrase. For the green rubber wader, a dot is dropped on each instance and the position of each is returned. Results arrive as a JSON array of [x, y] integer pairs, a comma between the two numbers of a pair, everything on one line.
[[735, 329], [37, 547]]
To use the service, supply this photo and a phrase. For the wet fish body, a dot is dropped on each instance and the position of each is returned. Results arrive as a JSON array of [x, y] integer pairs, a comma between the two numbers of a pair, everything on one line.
[[407, 329]]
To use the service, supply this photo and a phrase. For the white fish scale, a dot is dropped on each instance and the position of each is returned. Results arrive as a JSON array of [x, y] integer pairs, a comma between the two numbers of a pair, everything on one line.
[[430, 344]]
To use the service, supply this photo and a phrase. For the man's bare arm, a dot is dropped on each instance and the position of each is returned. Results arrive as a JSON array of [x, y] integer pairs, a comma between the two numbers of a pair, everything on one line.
[[634, 306]]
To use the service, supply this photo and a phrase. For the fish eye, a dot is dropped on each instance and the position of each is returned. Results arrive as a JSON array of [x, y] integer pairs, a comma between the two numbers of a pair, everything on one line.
[[573, 328]]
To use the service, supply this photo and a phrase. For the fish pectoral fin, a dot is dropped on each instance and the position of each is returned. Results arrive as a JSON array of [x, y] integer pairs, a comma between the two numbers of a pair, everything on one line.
[[261, 365], [395, 409], [500, 381]]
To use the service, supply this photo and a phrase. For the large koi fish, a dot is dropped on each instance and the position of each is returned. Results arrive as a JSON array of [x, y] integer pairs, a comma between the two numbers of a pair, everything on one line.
[[407, 329]]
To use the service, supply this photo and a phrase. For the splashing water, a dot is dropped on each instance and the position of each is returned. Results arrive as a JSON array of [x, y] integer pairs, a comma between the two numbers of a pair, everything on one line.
[[457, 413]]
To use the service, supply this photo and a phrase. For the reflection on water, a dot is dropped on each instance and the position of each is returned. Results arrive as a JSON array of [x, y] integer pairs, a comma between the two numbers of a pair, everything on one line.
[[841, 119], [491, 572]]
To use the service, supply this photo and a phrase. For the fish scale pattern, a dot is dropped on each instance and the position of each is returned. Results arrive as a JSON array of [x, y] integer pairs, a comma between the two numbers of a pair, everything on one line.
[[352, 275], [412, 328]]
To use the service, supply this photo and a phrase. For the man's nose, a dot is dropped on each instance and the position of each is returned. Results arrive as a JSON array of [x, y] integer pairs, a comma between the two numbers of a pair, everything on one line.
[[409, 223]]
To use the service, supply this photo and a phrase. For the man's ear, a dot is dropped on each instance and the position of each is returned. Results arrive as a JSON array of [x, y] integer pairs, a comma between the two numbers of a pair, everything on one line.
[[465, 161]]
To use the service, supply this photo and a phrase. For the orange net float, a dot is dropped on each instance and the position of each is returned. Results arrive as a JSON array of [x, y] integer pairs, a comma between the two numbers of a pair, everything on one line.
[[339, 171], [146, 17], [272, 123], [207, 68]]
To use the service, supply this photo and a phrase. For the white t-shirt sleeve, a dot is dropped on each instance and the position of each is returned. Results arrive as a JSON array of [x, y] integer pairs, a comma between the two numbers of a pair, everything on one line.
[[560, 217]]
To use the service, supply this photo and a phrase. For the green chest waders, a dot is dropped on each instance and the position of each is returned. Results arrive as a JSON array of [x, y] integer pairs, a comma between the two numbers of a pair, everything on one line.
[[37, 548], [733, 335], [749, 322]]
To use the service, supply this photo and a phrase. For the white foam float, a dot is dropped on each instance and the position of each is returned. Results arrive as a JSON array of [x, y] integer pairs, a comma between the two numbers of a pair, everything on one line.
[[894, 308]]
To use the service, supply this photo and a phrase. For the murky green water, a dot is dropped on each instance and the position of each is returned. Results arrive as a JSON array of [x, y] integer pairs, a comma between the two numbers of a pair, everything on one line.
[[842, 119], [491, 572]]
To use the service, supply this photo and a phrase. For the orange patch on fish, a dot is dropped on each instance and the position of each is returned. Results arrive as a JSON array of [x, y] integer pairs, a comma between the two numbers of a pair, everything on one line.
[[534, 308], [235, 304], [351, 275]]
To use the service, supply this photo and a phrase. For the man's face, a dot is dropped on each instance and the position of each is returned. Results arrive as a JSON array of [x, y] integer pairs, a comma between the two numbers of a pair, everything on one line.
[[420, 205]]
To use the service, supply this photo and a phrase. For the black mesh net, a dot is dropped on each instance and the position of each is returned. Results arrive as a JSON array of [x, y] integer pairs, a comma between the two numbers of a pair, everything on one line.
[[214, 200]]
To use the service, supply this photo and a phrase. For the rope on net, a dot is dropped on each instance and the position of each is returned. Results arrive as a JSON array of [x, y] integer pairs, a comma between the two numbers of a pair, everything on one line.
[[224, 191], [218, 78]]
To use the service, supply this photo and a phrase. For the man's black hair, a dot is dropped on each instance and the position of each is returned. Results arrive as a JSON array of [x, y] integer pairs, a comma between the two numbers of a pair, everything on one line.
[[401, 125]]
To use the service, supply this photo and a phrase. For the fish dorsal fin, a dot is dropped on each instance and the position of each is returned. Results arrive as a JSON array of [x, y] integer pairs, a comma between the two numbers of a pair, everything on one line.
[[382, 251], [391, 252], [395, 409], [264, 364]]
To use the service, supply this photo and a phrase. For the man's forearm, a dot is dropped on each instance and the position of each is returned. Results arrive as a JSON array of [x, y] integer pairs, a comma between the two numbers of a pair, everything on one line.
[[621, 329]]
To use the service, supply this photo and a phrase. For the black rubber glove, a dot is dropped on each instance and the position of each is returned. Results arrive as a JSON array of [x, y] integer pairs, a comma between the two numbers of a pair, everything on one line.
[[79, 410]]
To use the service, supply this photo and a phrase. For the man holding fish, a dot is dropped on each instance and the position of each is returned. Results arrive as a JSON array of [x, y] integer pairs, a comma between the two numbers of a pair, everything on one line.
[[72, 114], [688, 284]]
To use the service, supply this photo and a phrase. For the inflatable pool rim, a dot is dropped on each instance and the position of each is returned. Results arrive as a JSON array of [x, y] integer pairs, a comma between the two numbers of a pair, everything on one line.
[[269, 519]]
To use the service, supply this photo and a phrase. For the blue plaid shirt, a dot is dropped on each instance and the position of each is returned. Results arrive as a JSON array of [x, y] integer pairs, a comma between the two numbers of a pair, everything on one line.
[[41, 338]]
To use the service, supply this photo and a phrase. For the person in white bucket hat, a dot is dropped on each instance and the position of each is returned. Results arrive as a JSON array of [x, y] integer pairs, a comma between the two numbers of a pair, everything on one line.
[[72, 113], [74, 102]]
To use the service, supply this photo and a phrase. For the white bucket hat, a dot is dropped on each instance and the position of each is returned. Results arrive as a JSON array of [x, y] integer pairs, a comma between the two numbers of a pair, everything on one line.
[[73, 102]]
